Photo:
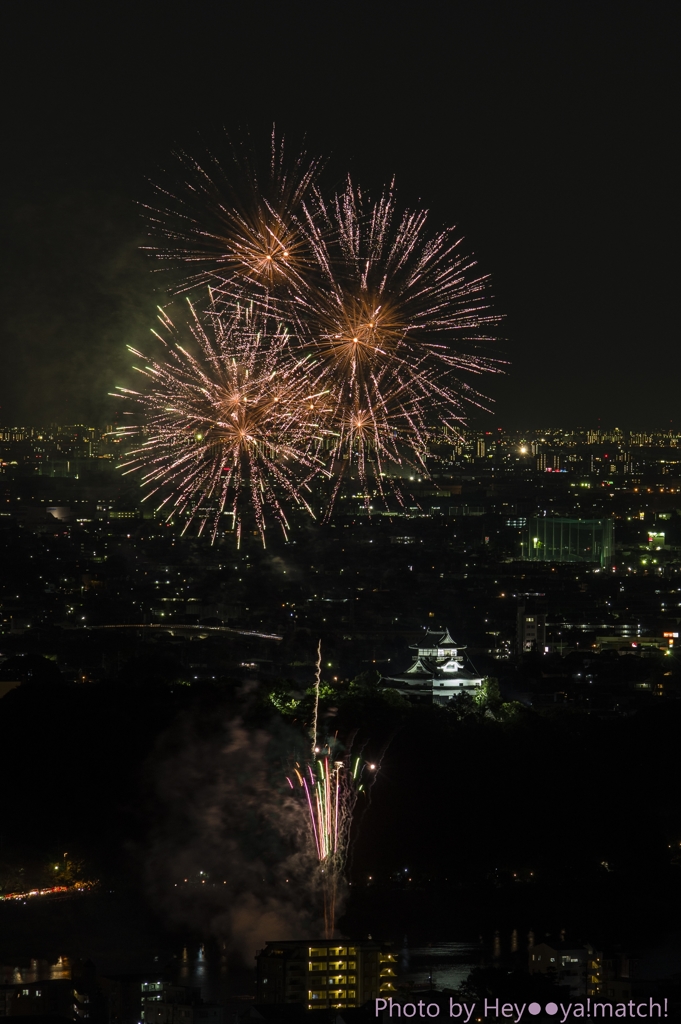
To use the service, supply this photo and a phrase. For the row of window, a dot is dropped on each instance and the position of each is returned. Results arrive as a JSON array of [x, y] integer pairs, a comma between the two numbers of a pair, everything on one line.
[[333, 951], [344, 1003], [336, 979], [333, 965], [336, 993]]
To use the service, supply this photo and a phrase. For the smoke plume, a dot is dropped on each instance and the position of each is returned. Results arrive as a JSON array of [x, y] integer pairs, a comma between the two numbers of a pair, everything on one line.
[[231, 855]]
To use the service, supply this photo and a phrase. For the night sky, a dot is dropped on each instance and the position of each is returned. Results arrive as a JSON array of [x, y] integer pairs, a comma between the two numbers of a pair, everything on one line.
[[544, 130]]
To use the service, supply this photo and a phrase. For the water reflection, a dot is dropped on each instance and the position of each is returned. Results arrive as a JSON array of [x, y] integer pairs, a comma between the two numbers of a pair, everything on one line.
[[36, 970], [206, 969], [213, 970], [438, 965], [194, 969]]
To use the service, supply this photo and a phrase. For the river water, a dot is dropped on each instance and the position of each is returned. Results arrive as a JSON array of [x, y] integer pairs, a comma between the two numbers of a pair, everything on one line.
[[437, 965]]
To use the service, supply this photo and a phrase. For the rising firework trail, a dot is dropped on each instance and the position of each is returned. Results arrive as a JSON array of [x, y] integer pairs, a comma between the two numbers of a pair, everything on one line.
[[317, 683], [227, 427], [331, 786]]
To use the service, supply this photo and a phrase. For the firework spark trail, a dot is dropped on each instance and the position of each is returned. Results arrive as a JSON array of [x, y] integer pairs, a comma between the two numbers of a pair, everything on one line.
[[317, 681], [385, 314], [235, 221], [389, 285], [393, 314], [331, 788], [228, 427]]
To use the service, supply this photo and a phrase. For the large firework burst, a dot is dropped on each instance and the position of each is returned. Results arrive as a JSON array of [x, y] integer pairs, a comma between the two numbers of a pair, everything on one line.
[[389, 317], [394, 313], [227, 427], [235, 221], [386, 287]]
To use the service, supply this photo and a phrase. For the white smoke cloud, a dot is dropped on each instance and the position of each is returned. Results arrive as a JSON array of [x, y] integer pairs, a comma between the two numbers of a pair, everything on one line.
[[229, 825]]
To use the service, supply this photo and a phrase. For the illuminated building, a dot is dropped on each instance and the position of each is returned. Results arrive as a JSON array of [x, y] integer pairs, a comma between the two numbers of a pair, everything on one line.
[[59, 993], [579, 968], [555, 539], [34, 998], [163, 1003], [583, 969], [436, 673], [152, 999], [531, 631], [324, 974]]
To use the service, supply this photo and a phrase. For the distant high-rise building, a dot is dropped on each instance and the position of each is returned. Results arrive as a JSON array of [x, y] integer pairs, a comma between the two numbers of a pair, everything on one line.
[[531, 631]]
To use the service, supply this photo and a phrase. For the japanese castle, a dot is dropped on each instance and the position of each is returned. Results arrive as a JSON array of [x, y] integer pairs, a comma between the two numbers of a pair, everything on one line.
[[436, 673]]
